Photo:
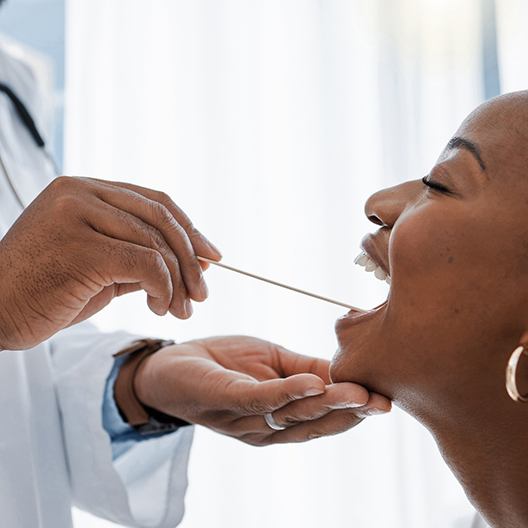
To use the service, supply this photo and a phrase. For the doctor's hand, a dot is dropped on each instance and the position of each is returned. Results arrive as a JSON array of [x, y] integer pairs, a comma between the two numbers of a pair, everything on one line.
[[81, 243], [228, 384]]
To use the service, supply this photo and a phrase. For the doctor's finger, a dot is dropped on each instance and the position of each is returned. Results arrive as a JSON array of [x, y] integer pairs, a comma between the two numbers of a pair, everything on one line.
[[267, 396], [337, 396], [121, 225], [201, 244], [331, 424], [158, 216], [290, 363], [377, 404], [121, 262]]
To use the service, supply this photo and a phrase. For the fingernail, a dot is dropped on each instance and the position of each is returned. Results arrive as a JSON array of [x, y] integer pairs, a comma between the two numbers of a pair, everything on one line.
[[188, 308], [353, 405], [375, 412], [213, 248], [314, 391]]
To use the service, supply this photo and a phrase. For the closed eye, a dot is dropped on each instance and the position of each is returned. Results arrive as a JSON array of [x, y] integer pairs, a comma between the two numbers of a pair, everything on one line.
[[435, 185]]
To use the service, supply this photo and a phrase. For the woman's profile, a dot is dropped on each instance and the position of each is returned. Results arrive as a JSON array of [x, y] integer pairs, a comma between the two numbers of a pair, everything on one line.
[[455, 247]]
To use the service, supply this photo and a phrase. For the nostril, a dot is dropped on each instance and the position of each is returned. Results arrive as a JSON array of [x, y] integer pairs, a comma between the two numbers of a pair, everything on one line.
[[375, 219]]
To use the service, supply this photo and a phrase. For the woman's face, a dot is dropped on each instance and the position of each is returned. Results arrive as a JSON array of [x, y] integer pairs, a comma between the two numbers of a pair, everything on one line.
[[456, 249]]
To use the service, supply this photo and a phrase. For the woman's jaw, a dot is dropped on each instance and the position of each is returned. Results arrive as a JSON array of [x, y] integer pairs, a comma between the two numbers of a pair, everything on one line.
[[456, 257]]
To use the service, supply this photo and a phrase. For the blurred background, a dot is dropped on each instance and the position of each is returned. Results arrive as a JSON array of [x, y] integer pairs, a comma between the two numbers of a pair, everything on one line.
[[271, 123]]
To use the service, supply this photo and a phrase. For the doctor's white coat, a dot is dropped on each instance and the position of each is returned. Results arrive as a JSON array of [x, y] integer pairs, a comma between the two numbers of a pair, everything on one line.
[[54, 451]]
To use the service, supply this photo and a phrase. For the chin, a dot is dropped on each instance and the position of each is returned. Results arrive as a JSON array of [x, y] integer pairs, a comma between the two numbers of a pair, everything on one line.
[[360, 357]]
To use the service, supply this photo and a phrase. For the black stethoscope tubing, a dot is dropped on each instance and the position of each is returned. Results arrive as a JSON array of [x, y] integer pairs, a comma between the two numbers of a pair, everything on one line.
[[29, 124]]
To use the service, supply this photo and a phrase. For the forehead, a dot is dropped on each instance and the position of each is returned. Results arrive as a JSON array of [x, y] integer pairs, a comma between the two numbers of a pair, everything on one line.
[[500, 129]]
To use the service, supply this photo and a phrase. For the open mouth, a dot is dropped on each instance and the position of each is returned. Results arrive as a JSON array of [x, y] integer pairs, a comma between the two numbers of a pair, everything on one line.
[[372, 260], [374, 255], [371, 266]]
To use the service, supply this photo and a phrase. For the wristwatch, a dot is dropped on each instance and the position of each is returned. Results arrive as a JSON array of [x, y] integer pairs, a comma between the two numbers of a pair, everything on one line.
[[145, 420]]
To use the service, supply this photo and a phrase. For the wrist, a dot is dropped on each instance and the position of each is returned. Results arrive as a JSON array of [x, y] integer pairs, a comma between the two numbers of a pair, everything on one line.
[[130, 406], [145, 418]]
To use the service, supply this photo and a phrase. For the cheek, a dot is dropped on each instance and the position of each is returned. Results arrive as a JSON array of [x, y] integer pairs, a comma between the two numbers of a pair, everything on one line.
[[445, 262], [435, 292], [420, 243], [431, 256]]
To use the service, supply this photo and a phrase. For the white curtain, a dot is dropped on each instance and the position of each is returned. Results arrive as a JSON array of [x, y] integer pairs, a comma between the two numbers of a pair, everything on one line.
[[512, 20], [270, 123]]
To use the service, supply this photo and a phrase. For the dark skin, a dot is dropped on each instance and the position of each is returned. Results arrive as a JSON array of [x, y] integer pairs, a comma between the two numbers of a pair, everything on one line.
[[456, 248], [82, 242]]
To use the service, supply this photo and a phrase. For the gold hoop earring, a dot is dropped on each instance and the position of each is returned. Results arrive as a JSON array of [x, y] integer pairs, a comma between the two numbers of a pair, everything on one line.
[[511, 375]]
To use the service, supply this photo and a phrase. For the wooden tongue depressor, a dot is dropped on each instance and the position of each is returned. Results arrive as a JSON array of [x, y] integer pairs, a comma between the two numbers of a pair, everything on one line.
[[281, 285]]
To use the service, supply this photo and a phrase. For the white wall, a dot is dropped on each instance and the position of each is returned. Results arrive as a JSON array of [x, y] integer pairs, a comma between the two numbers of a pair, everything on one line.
[[271, 123]]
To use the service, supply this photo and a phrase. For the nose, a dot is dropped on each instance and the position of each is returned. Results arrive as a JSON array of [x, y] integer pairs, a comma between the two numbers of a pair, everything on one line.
[[385, 207]]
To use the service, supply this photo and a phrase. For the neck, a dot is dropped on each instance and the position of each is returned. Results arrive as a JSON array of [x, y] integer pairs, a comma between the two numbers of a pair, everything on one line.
[[483, 438]]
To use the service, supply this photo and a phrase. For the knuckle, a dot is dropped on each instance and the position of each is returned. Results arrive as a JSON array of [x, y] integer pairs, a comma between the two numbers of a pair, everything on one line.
[[161, 213], [122, 217], [192, 232], [63, 184], [195, 271], [177, 227], [258, 407], [155, 239], [155, 260], [189, 227], [128, 257], [61, 181], [66, 204], [290, 398], [163, 198], [288, 420]]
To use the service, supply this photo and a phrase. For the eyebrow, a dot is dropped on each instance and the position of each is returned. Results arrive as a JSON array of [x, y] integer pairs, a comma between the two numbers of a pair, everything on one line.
[[460, 142]]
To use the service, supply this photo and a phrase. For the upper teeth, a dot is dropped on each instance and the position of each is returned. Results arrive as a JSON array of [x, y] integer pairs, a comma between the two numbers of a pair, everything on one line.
[[364, 260]]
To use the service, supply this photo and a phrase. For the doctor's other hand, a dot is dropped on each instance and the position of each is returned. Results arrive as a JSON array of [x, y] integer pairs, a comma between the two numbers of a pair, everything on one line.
[[84, 241], [228, 384]]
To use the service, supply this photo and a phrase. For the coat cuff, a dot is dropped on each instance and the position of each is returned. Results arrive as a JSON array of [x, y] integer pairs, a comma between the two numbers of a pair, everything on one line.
[[145, 486], [122, 435]]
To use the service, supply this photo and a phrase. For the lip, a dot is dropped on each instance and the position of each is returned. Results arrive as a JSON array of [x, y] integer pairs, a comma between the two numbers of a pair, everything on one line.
[[354, 317], [376, 247]]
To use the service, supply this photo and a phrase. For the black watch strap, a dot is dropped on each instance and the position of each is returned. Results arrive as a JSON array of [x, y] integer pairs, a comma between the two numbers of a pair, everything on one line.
[[145, 420]]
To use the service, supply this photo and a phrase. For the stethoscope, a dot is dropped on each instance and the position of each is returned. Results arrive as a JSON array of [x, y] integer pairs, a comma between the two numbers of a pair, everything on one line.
[[29, 124]]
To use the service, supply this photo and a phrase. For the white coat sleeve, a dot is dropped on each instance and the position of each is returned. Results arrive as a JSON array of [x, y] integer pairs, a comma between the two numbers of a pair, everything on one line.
[[144, 487]]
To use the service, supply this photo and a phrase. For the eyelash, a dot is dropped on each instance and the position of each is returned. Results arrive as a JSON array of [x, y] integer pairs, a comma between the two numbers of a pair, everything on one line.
[[434, 185]]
